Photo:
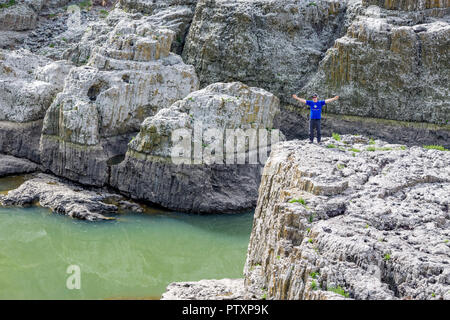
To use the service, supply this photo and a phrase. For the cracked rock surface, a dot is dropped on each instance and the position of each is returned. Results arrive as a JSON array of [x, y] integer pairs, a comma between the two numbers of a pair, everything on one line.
[[348, 219], [369, 218]]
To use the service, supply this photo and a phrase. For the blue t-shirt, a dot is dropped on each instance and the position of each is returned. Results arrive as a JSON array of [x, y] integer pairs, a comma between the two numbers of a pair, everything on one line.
[[316, 108]]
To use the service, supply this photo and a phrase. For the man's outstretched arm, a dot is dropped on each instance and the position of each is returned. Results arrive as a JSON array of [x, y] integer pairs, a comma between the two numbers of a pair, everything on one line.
[[299, 99], [332, 99]]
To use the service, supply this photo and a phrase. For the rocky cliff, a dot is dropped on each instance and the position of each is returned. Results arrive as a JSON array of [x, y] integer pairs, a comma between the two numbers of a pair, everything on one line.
[[275, 45], [386, 59], [353, 218], [128, 78], [206, 181]]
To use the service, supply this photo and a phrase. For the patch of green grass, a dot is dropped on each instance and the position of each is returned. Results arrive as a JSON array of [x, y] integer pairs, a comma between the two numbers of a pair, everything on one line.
[[314, 275], [8, 4], [278, 257], [339, 290], [435, 147], [366, 226], [371, 141], [51, 45], [310, 240], [402, 148], [299, 200], [370, 149], [331, 146], [446, 241], [312, 3], [387, 257], [311, 218], [433, 294], [85, 4], [336, 136], [313, 285], [64, 39], [104, 12], [340, 166], [264, 296], [384, 149], [355, 150]]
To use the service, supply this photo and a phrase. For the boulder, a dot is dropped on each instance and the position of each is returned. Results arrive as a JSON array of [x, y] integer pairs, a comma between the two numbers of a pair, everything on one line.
[[127, 79], [217, 177]]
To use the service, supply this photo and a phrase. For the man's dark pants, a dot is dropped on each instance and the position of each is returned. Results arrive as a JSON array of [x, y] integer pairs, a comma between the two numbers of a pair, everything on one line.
[[314, 124]]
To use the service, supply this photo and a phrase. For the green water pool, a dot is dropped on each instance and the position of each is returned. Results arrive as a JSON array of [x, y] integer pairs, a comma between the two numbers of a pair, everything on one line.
[[134, 257]]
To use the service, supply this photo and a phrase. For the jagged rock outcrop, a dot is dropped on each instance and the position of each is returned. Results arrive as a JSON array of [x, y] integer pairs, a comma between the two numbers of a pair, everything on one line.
[[206, 181], [66, 198], [128, 78], [369, 219], [274, 45], [348, 219], [391, 64], [176, 15], [28, 84], [173, 15]]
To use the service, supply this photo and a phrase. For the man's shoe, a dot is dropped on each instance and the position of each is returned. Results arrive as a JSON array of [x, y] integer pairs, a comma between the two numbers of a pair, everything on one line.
[[310, 142]]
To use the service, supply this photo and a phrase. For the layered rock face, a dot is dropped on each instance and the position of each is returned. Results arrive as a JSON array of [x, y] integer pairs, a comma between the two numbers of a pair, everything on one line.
[[391, 64], [275, 45], [197, 175], [176, 15], [28, 84], [364, 220], [127, 79]]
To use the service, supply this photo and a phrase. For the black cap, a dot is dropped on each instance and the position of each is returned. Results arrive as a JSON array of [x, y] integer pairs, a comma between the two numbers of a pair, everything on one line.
[[314, 95]]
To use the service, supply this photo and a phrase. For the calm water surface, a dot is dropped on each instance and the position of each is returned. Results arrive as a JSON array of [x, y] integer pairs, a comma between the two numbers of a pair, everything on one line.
[[135, 256]]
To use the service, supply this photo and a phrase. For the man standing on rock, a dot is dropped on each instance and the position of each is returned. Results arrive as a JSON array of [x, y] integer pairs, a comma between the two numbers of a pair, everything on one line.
[[315, 106]]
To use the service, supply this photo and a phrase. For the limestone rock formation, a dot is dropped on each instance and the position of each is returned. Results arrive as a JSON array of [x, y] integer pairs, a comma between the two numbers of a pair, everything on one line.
[[17, 16], [152, 170], [365, 219], [20, 15], [274, 45], [28, 85], [348, 219], [176, 15], [391, 64], [66, 198], [128, 78]]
